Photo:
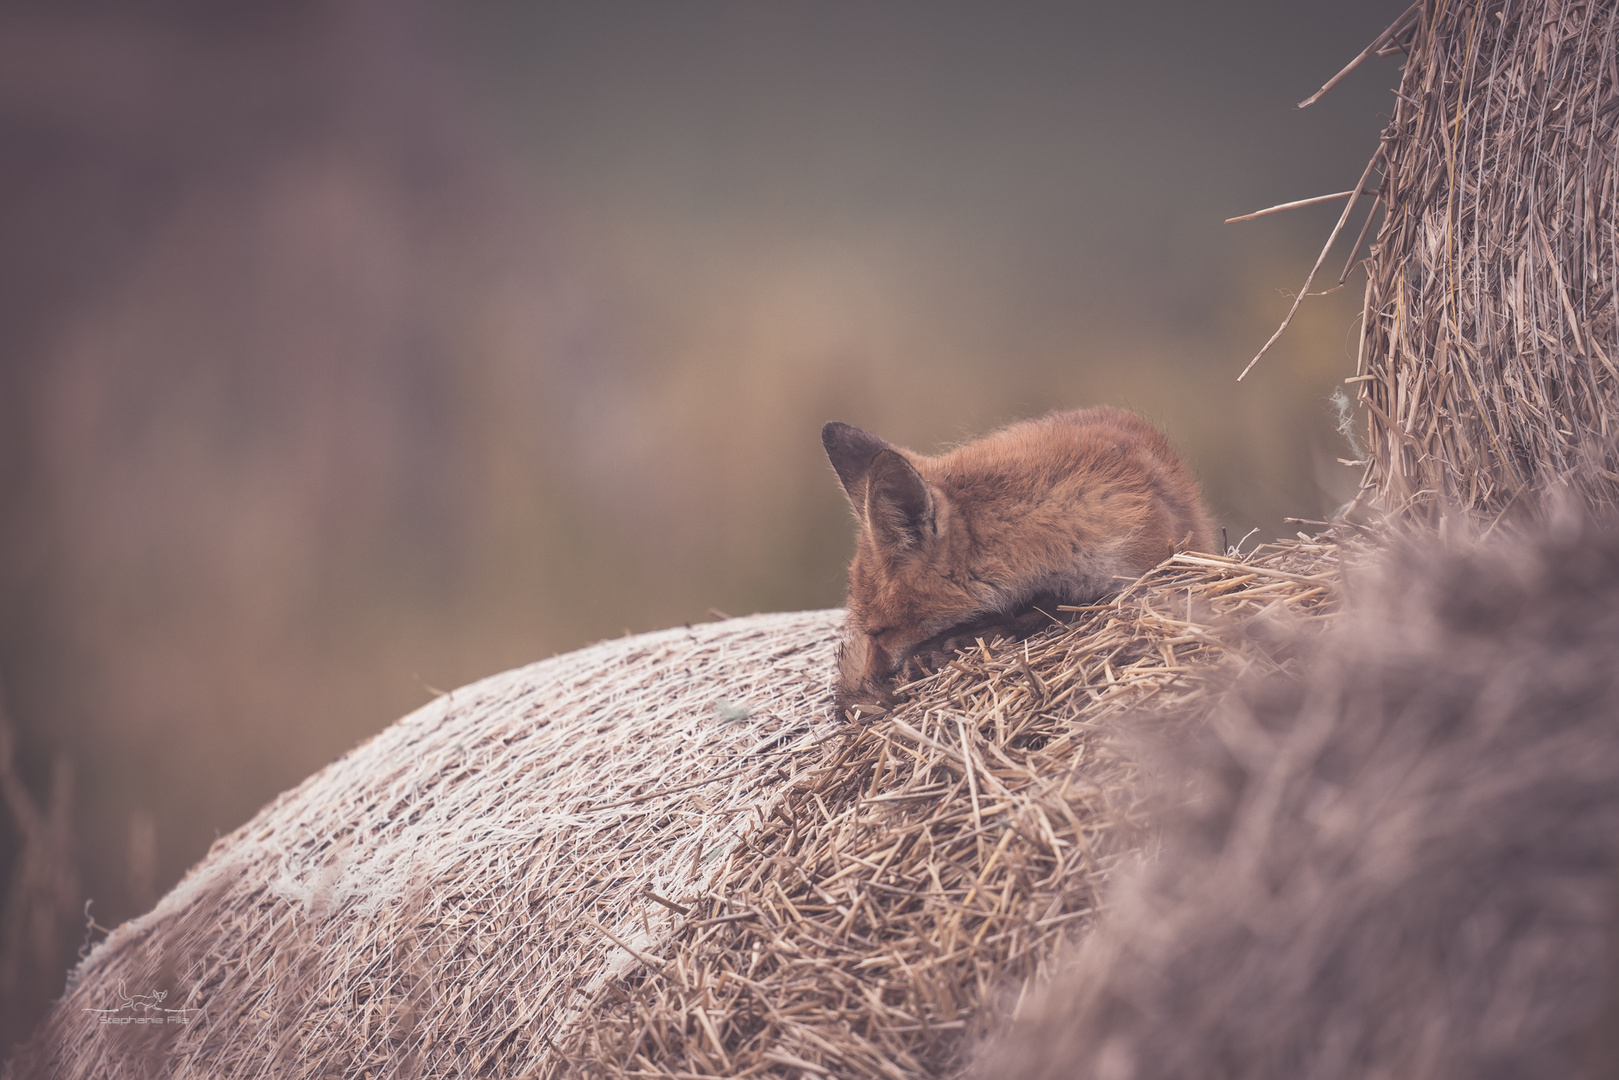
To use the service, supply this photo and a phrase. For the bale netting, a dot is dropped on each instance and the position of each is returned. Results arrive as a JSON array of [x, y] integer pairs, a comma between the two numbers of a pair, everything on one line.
[[1488, 356], [664, 856]]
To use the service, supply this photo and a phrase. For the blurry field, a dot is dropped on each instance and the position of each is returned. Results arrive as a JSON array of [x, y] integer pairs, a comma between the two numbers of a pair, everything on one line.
[[348, 352]]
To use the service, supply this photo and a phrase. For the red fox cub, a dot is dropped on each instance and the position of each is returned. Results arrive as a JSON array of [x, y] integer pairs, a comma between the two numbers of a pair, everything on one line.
[[987, 538]]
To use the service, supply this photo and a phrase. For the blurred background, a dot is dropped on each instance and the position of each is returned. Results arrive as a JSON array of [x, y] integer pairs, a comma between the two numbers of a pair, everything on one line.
[[353, 349]]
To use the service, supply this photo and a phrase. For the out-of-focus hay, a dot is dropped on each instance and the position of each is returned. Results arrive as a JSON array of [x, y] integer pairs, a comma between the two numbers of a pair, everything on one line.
[[1398, 861], [663, 856], [1489, 352]]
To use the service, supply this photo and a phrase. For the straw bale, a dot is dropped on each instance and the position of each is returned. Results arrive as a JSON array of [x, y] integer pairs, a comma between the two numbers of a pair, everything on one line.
[[1487, 361], [664, 856], [438, 902], [1399, 863]]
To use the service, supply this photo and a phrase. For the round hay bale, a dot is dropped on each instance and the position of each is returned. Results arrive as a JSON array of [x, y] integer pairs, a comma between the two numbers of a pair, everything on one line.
[[664, 856], [1488, 355], [444, 899]]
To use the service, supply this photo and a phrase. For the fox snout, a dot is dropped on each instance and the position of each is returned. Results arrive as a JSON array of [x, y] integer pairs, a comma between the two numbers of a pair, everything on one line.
[[864, 669]]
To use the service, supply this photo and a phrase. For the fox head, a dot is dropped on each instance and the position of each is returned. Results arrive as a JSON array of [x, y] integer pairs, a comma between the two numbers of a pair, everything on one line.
[[909, 580]]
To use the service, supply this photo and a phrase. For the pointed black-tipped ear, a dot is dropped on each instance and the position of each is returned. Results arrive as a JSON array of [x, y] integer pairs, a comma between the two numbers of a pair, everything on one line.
[[851, 452], [899, 506]]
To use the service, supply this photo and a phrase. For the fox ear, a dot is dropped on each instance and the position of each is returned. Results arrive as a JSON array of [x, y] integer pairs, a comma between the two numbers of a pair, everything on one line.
[[852, 452], [899, 506]]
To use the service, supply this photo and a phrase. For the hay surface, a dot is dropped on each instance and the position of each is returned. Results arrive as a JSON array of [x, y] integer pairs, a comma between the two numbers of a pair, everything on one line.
[[662, 856], [921, 864], [1488, 359], [438, 902]]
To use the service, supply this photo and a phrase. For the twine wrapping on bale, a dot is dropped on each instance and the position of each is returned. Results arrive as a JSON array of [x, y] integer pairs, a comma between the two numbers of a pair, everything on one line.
[[448, 898], [662, 856], [1488, 355]]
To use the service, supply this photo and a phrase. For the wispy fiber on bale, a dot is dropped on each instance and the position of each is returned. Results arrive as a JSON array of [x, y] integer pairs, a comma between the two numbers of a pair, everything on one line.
[[1488, 358], [663, 856], [1403, 864]]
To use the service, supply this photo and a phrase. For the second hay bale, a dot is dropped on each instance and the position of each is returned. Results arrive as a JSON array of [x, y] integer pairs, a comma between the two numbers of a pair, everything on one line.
[[1489, 359]]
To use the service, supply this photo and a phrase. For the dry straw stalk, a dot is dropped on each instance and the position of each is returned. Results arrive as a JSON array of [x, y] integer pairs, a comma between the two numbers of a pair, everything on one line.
[[924, 862], [1488, 356]]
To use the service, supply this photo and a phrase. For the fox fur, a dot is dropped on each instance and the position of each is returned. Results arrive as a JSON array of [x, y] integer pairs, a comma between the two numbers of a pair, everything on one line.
[[988, 538]]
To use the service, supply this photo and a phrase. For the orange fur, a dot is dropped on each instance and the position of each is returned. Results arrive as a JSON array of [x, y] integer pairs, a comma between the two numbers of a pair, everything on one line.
[[987, 538]]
